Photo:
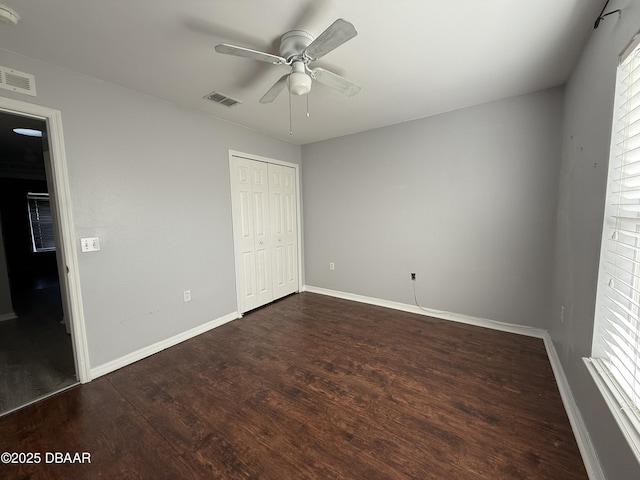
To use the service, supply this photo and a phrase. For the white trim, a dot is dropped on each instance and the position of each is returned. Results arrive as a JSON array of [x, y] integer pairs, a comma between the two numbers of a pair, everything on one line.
[[8, 316], [60, 181], [250, 156], [629, 48], [159, 346], [455, 317], [615, 402], [583, 439], [258, 158]]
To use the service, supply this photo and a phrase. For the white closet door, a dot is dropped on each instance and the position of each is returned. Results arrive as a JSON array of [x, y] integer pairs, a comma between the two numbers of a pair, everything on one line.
[[290, 227], [276, 205], [243, 228], [284, 233], [262, 232], [250, 210], [265, 231]]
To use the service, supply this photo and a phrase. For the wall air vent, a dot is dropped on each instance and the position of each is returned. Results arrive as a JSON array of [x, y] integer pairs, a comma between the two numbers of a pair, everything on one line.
[[222, 99], [16, 81]]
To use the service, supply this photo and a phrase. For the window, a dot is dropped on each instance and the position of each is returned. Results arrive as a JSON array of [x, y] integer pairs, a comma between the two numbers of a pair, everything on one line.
[[615, 355], [40, 222]]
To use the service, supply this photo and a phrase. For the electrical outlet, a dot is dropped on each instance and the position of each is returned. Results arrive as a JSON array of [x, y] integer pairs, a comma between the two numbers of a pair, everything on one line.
[[187, 295], [332, 266], [413, 276]]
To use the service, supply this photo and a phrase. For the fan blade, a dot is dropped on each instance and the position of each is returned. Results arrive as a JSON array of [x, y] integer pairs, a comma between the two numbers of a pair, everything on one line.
[[275, 90], [335, 35], [248, 53], [332, 80]]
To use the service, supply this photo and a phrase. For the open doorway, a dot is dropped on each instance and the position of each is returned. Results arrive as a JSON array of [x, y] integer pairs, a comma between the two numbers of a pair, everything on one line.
[[36, 349]]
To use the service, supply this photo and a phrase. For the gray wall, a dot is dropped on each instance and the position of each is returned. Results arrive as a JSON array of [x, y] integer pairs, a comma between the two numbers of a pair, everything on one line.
[[465, 199], [585, 152], [152, 181]]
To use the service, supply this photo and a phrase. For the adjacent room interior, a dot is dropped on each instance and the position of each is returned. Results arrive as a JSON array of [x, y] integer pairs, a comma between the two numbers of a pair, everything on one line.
[[37, 355], [438, 181]]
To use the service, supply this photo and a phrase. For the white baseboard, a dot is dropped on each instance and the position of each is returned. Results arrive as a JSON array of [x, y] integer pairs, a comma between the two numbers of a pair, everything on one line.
[[455, 317], [159, 346], [583, 439], [587, 450], [7, 316]]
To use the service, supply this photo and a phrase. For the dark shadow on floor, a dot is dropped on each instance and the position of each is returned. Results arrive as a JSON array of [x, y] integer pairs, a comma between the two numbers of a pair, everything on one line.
[[36, 353]]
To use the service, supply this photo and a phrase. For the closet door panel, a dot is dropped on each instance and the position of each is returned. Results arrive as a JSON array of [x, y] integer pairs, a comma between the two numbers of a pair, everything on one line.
[[243, 227], [262, 237], [277, 230], [283, 228], [290, 221]]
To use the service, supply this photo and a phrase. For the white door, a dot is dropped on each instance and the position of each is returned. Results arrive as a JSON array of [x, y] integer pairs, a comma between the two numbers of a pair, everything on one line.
[[284, 233], [262, 233], [249, 190], [265, 229]]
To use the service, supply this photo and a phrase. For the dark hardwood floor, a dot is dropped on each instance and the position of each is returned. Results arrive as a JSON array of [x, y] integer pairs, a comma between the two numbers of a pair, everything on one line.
[[313, 387]]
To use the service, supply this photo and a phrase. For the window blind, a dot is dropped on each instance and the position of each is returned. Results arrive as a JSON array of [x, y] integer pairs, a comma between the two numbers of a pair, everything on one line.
[[615, 356], [41, 222]]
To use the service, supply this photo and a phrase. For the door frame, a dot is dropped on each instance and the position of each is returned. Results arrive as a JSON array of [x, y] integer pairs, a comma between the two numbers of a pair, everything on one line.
[[70, 287], [250, 156]]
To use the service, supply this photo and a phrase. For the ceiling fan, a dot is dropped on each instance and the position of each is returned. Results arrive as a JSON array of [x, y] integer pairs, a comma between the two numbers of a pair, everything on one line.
[[298, 49]]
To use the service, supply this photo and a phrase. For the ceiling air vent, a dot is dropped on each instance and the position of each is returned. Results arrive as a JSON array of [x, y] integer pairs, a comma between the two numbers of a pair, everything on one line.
[[16, 81], [222, 99]]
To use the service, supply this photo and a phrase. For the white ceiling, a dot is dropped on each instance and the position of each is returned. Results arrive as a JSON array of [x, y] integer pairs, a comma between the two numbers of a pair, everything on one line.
[[413, 58]]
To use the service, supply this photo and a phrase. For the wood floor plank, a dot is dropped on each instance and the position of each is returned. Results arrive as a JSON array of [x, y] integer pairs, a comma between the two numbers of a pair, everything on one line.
[[119, 441], [314, 387]]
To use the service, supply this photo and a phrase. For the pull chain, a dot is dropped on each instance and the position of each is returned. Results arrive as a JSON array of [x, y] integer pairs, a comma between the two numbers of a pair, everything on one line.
[[289, 88], [308, 105]]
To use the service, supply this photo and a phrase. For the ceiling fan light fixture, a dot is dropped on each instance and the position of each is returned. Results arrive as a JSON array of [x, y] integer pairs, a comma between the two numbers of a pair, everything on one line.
[[299, 83]]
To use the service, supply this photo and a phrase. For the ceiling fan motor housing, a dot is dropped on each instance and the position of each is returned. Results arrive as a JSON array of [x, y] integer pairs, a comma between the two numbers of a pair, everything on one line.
[[293, 43]]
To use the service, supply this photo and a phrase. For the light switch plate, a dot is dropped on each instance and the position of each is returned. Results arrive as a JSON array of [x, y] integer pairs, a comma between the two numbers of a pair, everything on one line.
[[90, 244]]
